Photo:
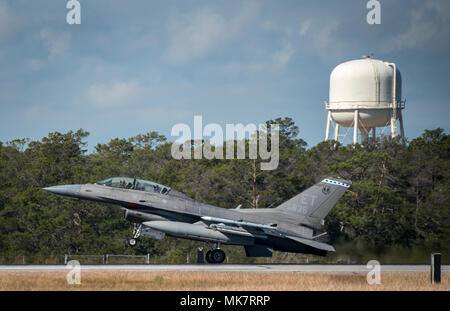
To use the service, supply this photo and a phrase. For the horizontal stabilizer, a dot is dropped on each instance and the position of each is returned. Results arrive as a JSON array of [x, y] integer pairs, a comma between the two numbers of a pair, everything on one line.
[[312, 243], [258, 251]]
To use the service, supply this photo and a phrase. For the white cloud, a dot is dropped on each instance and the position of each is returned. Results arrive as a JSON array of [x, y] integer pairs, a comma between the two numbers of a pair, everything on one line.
[[304, 27], [441, 7], [323, 35], [418, 32], [273, 64], [9, 22], [194, 34], [283, 55], [113, 94], [57, 43], [33, 64], [269, 26], [424, 27]]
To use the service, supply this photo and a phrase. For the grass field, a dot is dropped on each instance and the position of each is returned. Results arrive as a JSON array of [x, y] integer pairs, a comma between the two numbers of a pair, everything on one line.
[[217, 281]]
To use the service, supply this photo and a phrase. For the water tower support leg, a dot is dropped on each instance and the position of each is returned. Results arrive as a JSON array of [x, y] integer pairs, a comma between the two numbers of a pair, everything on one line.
[[400, 119], [327, 134], [394, 123], [355, 127], [336, 132]]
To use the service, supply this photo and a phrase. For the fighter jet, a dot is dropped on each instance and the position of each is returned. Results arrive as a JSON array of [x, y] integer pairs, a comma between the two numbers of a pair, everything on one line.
[[157, 210]]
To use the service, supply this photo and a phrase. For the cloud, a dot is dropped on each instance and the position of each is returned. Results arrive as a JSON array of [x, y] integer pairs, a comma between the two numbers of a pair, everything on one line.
[[9, 22], [33, 64], [113, 94], [441, 7], [428, 25], [419, 31], [324, 36], [269, 26], [274, 63], [192, 35], [283, 55], [57, 43], [304, 27]]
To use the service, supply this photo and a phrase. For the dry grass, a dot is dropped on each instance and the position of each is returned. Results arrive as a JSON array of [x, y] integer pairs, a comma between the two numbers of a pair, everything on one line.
[[217, 281]]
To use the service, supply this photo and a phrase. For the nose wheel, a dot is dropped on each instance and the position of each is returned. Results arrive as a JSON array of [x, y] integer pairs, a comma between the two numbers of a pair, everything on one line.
[[136, 233], [215, 256]]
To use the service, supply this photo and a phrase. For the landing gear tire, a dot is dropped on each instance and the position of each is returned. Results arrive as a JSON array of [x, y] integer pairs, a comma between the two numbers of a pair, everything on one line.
[[132, 242], [208, 257], [215, 256]]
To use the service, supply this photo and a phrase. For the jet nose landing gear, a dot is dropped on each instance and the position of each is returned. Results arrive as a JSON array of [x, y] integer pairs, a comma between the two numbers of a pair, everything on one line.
[[136, 233], [215, 256]]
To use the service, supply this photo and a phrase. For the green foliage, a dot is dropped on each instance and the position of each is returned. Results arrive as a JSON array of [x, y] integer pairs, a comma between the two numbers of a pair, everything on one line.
[[399, 199]]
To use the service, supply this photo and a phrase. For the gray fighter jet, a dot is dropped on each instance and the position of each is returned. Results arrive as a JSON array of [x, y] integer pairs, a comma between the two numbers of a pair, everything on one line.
[[157, 210]]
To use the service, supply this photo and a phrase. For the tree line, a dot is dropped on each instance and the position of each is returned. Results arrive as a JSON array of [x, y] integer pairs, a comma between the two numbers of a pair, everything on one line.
[[397, 208]]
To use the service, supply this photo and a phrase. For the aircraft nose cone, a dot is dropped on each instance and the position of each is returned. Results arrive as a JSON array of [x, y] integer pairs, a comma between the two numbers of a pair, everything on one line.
[[65, 190]]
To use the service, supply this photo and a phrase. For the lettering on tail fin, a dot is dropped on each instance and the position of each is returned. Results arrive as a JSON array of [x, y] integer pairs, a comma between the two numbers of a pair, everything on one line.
[[318, 200]]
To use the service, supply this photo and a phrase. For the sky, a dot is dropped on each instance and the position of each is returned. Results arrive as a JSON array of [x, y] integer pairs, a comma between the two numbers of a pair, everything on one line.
[[137, 66]]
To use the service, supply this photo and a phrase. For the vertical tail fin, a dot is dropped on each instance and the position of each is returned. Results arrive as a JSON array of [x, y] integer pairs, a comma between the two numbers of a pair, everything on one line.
[[318, 200]]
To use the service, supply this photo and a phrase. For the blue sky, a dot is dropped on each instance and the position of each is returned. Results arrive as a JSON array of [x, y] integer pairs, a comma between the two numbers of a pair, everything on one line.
[[136, 66]]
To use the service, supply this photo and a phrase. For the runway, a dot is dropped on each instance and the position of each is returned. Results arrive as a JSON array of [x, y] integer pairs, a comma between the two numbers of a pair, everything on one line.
[[269, 268]]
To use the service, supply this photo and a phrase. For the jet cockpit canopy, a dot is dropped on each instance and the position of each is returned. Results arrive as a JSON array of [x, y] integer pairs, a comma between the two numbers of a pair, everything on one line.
[[135, 184]]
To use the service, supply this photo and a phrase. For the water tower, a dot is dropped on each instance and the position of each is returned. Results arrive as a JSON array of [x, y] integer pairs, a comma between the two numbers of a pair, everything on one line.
[[365, 94]]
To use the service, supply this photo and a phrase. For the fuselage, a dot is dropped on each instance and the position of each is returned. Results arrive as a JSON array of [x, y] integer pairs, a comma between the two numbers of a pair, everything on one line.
[[145, 206], [163, 211]]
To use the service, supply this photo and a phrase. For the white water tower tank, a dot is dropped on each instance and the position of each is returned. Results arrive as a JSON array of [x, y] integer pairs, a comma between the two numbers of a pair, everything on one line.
[[365, 94]]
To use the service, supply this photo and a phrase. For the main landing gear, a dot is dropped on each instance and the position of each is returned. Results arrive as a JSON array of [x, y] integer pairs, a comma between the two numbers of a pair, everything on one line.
[[215, 255], [136, 233]]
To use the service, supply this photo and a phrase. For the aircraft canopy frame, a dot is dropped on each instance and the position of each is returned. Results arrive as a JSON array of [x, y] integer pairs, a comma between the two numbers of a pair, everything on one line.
[[134, 184]]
